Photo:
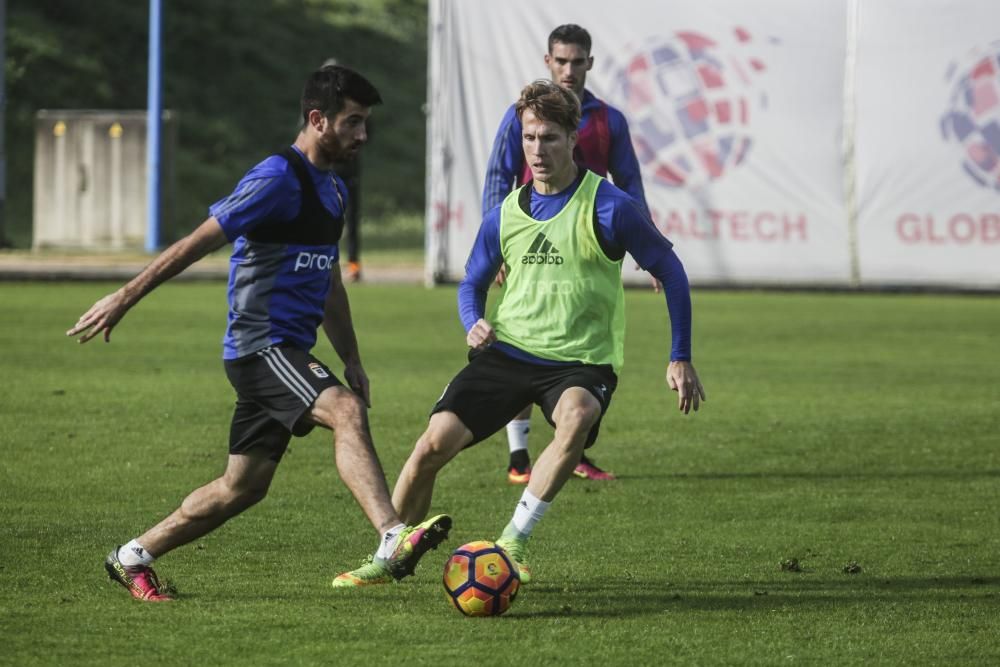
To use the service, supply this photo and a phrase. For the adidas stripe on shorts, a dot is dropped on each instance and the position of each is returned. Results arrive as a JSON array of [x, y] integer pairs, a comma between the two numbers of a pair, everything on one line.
[[275, 388]]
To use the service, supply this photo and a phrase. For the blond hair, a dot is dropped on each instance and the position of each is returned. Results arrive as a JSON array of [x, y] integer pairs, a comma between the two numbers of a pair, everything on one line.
[[550, 102]]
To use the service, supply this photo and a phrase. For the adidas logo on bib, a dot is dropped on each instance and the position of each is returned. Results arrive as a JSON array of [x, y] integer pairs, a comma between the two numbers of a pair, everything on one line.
[[542, 252]]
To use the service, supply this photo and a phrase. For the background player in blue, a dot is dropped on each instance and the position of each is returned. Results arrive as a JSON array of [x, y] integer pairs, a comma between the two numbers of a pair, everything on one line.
[[603, 145], [350, 173], [285, 218]]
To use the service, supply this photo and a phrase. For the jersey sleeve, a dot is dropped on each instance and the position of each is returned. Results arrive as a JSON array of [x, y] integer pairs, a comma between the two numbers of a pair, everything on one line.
[[480, 269], [626, 227], [505, 163], [622, 162], [266, 193]]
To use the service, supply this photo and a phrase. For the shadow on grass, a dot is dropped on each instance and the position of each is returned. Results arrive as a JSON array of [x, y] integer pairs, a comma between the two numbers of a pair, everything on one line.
[[643, 598], [821, 475]]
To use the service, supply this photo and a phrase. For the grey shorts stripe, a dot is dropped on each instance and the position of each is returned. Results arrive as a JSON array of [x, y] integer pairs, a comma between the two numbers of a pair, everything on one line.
[[274, 392], [288, 375]]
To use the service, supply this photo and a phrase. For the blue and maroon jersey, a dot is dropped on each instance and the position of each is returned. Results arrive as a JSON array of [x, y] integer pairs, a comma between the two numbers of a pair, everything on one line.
[[604, 146], [593, 144], [285, 218]]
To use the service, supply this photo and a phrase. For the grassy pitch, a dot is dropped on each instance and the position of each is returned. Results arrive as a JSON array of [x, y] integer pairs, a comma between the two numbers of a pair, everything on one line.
[[836, 501]]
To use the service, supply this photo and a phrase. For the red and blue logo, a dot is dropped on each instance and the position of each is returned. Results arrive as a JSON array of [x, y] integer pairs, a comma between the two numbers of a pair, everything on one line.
[[690, 102], [973, 116]]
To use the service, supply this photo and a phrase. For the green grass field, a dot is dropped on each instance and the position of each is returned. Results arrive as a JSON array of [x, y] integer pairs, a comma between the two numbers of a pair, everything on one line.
[[839, 429]]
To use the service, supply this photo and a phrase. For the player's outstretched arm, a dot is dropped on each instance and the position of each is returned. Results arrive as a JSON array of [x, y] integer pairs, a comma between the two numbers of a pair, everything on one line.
[[106, 313], [683, 379], [339, 328], [632, 229]]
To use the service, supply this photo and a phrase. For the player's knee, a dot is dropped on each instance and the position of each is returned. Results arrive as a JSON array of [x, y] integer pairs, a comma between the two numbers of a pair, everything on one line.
[[340, 409], [434, 449], [224, 502], [579, 417], [237, 494], [238, 499]]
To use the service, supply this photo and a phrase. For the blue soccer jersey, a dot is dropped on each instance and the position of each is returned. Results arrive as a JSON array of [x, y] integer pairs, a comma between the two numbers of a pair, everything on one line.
[[284, 218]]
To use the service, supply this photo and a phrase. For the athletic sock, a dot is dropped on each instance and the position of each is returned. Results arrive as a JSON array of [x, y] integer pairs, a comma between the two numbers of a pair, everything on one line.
[[528, 512], [388, 543], [134, 554], [517, 434]]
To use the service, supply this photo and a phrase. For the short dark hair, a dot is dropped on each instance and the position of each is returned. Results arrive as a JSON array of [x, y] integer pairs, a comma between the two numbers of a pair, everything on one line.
[[570, 33], [550, 102], [328, 87]]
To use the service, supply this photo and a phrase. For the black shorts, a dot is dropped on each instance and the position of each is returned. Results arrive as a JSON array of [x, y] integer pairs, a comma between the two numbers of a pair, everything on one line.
[[494, 387], [275, 387]]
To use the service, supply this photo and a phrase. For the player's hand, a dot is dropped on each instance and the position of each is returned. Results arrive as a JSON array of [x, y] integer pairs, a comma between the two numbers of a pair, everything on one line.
[[683, 379], [480, 335], [357, 380], [102, 317], [501, 276]]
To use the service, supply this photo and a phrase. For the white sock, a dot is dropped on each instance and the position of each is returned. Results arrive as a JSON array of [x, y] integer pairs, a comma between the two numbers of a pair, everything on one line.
[[134, 554], [517, 434], [528, 512], [388, 542]]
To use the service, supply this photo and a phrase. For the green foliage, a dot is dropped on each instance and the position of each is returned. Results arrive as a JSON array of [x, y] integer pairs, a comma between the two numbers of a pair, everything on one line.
[[232, 72], [854, 435]]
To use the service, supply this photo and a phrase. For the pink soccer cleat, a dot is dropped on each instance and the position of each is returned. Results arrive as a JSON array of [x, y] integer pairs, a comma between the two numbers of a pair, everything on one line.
[[587, 469], [141, 581]]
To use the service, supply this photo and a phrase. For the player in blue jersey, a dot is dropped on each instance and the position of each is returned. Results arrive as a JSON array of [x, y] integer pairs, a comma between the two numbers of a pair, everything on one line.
[[556, 337], [285, 219], [603, 145]]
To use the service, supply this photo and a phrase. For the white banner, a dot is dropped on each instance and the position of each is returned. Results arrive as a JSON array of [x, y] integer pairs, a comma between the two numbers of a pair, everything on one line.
[[928, 142], [777, 139]]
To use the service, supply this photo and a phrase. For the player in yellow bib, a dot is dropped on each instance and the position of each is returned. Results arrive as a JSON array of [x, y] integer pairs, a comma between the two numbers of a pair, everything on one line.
[[563, 298], [557, 336], [603, 145]]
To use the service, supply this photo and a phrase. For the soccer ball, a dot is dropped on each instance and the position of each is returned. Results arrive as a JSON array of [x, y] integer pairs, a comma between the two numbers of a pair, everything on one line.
[[480, 579]]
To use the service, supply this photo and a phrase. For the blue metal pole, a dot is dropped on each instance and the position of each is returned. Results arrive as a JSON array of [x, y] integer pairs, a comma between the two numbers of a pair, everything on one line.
[[4, 243], [154, 112]]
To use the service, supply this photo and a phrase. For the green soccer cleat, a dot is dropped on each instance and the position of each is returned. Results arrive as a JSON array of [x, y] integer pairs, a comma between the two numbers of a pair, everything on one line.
[[411, 544], [414, 541], [517, 549], [371, 572]]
